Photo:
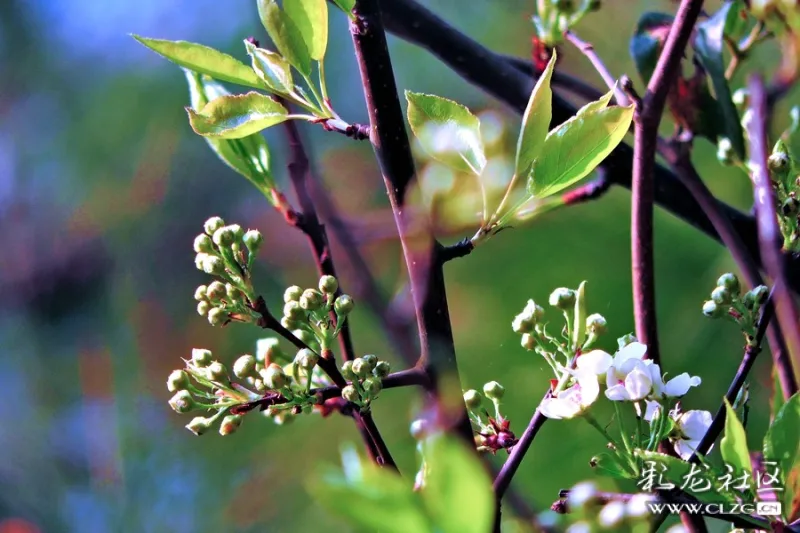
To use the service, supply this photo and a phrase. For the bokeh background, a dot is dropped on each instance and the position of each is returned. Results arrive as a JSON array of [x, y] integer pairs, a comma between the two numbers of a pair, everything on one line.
[[103, 187]]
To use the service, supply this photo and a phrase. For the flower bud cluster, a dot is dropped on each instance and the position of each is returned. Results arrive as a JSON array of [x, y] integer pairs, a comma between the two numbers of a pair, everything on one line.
[[226, 252], [784, 173], [492, 430], [365, 375], [727, 301], [310, 312]]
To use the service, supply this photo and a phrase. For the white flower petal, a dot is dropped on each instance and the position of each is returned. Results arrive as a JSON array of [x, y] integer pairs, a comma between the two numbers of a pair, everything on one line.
[[651, 410], [559, 408], [617, 393], [635, 350], [596, 362], [638, 383], [694, 424], [680, 385], [685, 448], [611, 377], [589, 389]]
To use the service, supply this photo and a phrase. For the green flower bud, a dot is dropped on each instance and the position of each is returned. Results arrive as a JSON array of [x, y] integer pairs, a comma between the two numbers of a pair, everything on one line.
[[562, 298], [244, 366], [311, 300], [216, 291], [213, 224], [361, 368], [217, 372], [200, 261], [288, 323], [177, 380], [741, 98], [182, 402], [730, 282], [350, 394], [274, 377], [217, 316], [203, 308], [347, 370], [472, 399], [493, 390], [370, 360], [779, 161], [328, 284], [259, 385], [201, 358], [626, 340], [528, 341], [292, 294], [224, 237], [307, 337], [199, 425], [596, 324], [238, 232], [253, 240], [213, 265], [284, 417], [725, 154], [790, 207], [343, 305], [382, 369], [268, 350], [200, 293], [760, 294], [233, 294], [721, 296], [293, 311], [202, 243], [372, 386], [230, 424], [306, 359], [712, 310]]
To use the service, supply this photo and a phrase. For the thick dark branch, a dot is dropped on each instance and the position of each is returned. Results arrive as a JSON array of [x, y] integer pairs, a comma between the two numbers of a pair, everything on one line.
[[393, 152], [769, 234], [644, 162]]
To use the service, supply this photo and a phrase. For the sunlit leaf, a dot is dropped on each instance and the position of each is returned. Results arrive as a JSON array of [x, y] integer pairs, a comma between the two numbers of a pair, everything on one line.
[[597, 105], [576, 147], [285, 34], [458, 492], [536, 120], [782, 442], [447, 131], [237, 116], [311, 19], [372, 498], [777, 401], [249, 156], [709, 43], [733, 445], [272, 68], [204, 60]]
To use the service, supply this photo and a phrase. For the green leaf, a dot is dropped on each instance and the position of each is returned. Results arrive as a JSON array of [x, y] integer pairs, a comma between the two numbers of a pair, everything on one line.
[[709, 43], [272, 68], [311, 19], [286, 35], [576, 147], [372, 498], [447, 131], [536, 120], [597, 105], [733, 445], [346, 5], [458, 492], [648, 38], [776, 401], [249, 156], [233, 117], [610, 466], [204, 60], [782, 442]]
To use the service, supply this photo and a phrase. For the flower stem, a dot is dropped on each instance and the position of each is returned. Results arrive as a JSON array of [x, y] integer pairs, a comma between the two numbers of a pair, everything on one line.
[[625, 438]]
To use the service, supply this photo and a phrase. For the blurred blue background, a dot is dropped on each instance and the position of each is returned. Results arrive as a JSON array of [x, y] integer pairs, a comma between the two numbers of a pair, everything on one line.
[[103, 186]]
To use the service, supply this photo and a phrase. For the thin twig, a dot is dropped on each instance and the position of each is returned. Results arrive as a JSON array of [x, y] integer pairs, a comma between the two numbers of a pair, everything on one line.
[[768, 232], [560, 79], [588, 50], [644, 162]]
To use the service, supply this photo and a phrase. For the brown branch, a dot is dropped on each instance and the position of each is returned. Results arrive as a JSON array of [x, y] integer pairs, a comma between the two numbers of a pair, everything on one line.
[[768, 232], [393, 152], [587, 49], [643, 191]]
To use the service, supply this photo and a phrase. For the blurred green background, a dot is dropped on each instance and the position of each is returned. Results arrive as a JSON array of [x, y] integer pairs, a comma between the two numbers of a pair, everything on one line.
[[103, 187]]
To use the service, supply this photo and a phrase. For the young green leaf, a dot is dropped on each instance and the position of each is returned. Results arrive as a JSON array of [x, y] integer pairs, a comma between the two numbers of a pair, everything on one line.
[[709, 43], [371, 498], [272, 68], [776, 402], [576, 147], [447, 131], [458, 492], [249, 156], [782, 441], [610, 465], [204, 60], [536, 120], [234, 117], [311, 19], [346, 5], [284, 33], [597, 105], [733, 445]]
